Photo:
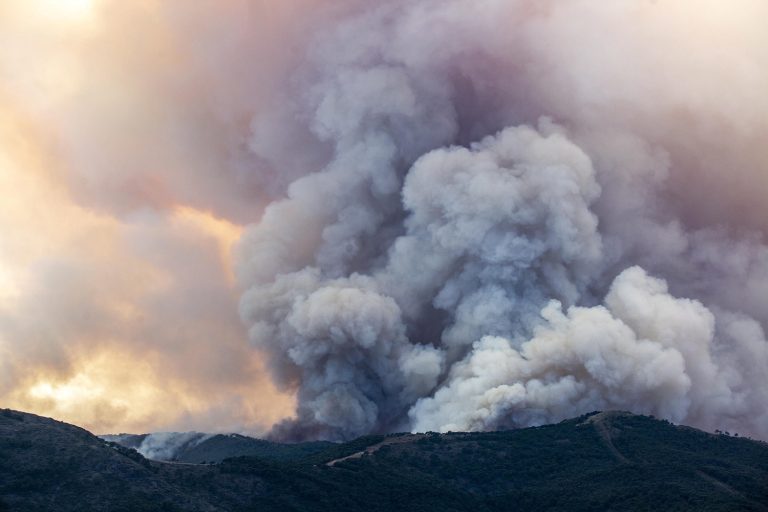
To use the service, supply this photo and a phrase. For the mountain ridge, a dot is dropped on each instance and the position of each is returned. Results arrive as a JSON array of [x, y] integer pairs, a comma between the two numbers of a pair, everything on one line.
[[597, 461], [200, 447]]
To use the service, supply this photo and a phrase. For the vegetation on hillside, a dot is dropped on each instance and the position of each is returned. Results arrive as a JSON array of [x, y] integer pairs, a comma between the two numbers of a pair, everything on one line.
[[601, 461]]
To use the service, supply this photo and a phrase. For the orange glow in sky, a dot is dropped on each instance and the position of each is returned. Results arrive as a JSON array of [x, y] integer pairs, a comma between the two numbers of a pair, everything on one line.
[[116, 320], [118, 297]]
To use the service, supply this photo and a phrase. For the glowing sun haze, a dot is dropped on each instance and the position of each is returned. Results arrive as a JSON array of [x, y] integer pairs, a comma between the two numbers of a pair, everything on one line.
[[118, 307], [345, 217]]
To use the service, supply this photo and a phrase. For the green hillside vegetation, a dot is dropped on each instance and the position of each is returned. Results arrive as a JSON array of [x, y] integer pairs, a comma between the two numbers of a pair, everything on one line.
[[46, 465], [221, 446], [597, 462]]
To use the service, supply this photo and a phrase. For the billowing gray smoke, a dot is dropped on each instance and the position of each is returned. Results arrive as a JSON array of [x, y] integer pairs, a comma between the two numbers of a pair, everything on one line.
[[505, 213]]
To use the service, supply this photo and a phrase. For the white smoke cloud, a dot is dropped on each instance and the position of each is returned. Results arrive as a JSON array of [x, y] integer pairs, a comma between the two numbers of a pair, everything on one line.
[[165, 445], [419, 279], [644, 348], [463, 215]]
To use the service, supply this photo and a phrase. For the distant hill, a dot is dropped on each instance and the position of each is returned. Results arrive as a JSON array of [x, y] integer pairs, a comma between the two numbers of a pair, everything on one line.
[[199, 448], [600, 461]]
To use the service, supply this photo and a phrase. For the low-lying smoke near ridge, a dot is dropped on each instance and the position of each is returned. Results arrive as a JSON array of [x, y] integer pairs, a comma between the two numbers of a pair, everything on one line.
[[160, 445], [470, 215]]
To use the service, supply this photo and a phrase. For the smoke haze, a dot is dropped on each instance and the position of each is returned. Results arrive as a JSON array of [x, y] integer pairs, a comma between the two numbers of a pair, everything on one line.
[[446, 215]]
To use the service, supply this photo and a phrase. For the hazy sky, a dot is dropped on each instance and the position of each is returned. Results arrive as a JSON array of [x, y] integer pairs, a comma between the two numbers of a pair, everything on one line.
[[363, 216], [120, 204]]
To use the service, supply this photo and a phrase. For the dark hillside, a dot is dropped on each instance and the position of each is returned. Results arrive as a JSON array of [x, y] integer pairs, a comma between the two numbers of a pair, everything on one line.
[[48, 465], [605, 461], [601, 461], [221, 446]]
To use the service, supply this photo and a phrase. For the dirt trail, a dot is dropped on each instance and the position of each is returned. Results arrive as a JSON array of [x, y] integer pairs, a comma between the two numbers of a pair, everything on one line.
[[730, 490], [375, 447], [601, 423]]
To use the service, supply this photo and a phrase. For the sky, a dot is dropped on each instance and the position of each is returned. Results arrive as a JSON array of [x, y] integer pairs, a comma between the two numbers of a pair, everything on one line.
[[326, 218], [118, 307]]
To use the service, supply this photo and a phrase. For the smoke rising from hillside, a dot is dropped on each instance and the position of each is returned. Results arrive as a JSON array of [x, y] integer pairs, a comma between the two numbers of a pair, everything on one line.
[[528, 211], [455, 215]]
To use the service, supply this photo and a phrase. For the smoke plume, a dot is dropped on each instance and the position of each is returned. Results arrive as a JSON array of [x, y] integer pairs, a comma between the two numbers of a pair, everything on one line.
[[528, 210], [455, 215]]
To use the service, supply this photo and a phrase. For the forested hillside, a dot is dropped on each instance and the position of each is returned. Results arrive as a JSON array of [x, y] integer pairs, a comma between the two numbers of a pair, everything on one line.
[[601, 461]]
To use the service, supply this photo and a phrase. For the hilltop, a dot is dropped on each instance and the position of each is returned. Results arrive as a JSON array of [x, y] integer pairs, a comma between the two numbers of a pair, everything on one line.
[[600, 461]]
